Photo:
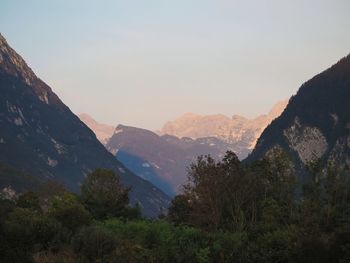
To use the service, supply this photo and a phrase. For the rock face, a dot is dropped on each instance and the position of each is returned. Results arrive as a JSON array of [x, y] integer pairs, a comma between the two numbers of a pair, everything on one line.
[[39, 135], [102, 131], [315, 126], [161, 160], [241, 133], [308, 142]]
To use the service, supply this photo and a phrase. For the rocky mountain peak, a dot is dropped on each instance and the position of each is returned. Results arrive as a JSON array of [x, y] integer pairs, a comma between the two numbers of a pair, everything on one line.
[[13, 64], [102, 131], [238, 130], [2, 39]]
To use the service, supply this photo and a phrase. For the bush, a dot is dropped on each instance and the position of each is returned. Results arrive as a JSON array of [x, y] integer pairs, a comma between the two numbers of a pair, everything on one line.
[[275, 246], [228, 247], [26, 230], [94, 243], [64, 255], [103, 194], [159, 241], [132, 213], [69, 211], [29, 200]]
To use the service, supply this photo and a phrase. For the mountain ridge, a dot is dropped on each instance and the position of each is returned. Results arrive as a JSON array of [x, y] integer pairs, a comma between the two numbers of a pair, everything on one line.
[[237, 130], [315, 125], [40, 135], [102, 131], [162, 160]]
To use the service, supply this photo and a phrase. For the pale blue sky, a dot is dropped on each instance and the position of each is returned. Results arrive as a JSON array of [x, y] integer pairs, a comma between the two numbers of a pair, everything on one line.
[[144, 62]]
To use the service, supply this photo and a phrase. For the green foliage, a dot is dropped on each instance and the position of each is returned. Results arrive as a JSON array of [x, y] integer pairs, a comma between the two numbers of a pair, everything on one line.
[[6, 206], [132, 212], [29, 200], [227, 213], [221, 195], [228, 247], [63, 255], [103, 194], [274, 246], [49, 191], [69, 211], [94, 243], [159, 241], [180, 210], [26, 229], [20, 226]]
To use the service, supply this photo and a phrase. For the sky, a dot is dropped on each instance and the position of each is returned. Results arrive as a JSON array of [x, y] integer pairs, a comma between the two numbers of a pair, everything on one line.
[[145, 62]]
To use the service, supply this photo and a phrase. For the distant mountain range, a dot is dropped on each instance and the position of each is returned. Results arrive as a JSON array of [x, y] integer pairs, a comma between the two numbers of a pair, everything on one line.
[[163, 158], [240, 132], [41, 139], [103, 132], [315, 126]]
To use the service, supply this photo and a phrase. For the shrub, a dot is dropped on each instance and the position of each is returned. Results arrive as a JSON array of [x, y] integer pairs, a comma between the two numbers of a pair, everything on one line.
[[29, 200], [103, 194], [69, 211], [94, 243]]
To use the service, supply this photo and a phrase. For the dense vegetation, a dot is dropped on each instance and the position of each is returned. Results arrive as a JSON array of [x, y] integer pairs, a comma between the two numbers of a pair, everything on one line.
[[228, 212]]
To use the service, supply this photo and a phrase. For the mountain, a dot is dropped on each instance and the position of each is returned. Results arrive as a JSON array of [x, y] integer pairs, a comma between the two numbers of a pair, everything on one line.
[[102, 131], [238, 131], [163, 157], [161, 160], [41, 137], [315, 125]]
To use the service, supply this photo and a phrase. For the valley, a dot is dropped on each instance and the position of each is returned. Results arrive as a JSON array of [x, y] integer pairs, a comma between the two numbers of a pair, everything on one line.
[[174, 131], [163, 157]]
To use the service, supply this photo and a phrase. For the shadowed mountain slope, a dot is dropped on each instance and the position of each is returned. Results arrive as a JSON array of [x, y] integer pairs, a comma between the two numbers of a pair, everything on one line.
[[315, 126], [162, 160], [39, 135]]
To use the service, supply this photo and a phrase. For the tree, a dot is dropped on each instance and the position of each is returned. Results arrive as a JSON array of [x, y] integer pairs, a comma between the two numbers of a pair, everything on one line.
[[132, 212], [180, 210], [48, 191], [203, 192], [26, 229], [69, 212], [29, 200], [221, 194], [94, 243], [275, 190], [103, 194]]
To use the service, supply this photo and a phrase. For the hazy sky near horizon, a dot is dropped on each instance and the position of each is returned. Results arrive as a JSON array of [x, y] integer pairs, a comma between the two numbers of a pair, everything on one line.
[[145, 62]]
